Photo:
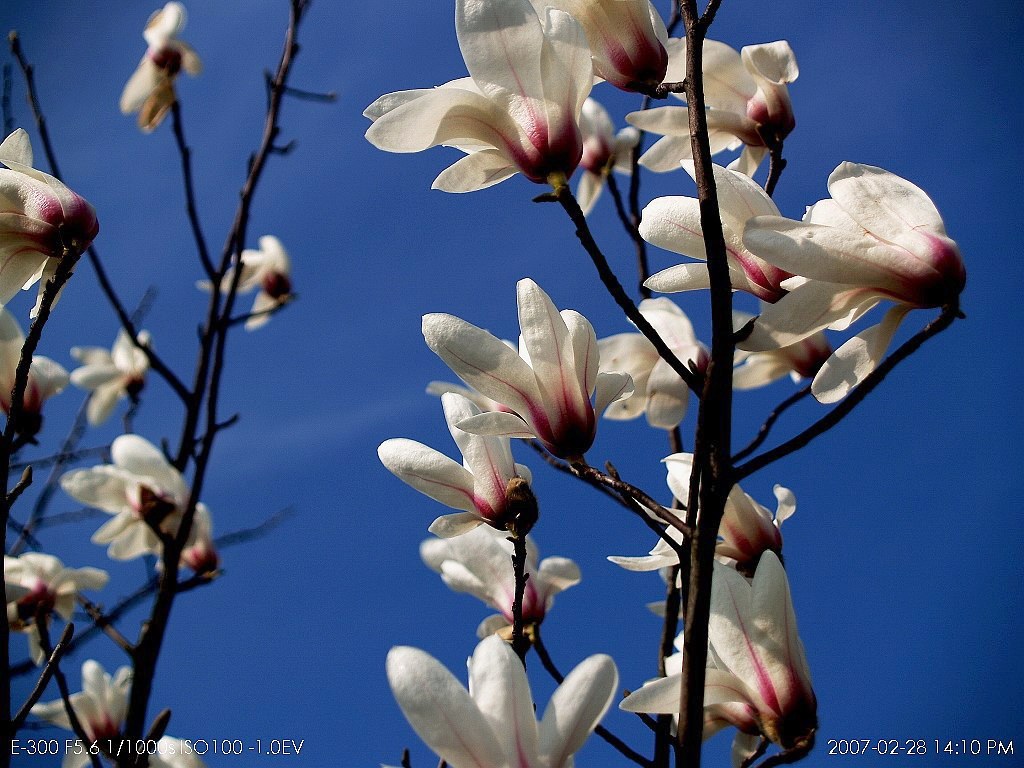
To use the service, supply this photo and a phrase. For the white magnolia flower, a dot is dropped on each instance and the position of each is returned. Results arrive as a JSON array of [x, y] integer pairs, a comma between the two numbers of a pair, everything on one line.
[[879, 237], [480, 486], [40, 220], [140, 489], [604, 151], [746, 532], [517, 112], [111, 376], [627, 39], [658, 390], [547, 387], [673, 223], [267, 269], [45, 377], [45, 584], [101, 707], [200, 553], [494, 725], [747, 99], [758, 679], [479, 563], [150, 90]]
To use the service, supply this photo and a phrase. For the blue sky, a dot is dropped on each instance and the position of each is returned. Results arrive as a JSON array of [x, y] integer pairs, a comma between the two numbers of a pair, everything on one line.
[[904, 551]]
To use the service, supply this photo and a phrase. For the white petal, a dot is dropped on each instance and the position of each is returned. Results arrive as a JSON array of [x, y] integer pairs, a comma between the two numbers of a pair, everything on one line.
[[500, 689], [429, 472], [576, 708], [478, 170], [495, 423]]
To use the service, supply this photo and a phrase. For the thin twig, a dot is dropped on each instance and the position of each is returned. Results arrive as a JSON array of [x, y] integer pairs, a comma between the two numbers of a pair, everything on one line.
[[190, 195], [549, 665], [766, 428], [21, 486], [104, 622], [949, 313], [44, 679]]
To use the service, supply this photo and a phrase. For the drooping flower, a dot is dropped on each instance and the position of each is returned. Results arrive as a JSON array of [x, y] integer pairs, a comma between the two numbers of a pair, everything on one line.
[[517, 112], [758, 680], [111, 376], [40, 220], [658, 390], [487, 486], [673, 223], [801, 360], [101, 707], [479, 563], [150, 89], [45, 377], [747, 99], [493, 725], [879, 237], [547, 386], [48, 586], [200, 552], [604, 151], [746, 532], [141, 489], [627, 39]]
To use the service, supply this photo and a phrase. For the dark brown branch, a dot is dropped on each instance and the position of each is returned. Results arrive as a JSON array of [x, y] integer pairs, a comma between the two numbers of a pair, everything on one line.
[[549, 665], [44, 679], [837, 414], [762, 747], [520, 643], [776, 165], [766, 428], [190, 195], [104, 622], [789, 756], [21, 486], [563, 195]]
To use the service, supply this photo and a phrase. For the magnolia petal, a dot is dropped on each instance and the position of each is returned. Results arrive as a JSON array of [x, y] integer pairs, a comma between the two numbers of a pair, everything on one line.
[[805, 311], [611, 387], [501, 44], [679, 466], [576, 708], [102, 403], [103, 487], [550, 348], [95, 374], [502, 693], [787, 503], [566, 72], [586, 354], [559, 573], [491, 626], [49, 377], [17, 268], [588, 190], [693, 276], [775, 62], [759, 370], [673, 223], [496, 424], [448, 526], [829, 254], [429, 472], [667, 397], [482, 361], [140, 457], [488, 460], [441, 711], [140, 85], [849, 365], [658, 697], [666, 153], [16, 148], [644, 563], [728, 85], [478, 170], [749, 161], [743, 746]]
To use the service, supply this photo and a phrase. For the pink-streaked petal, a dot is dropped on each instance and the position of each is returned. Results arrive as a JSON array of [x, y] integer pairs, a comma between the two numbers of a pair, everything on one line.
[[502, 694], [429, 472], [693, 276], [853, 361], [483, 361], [501, 43], [673, 223], [448, 526], [441, 711], [495, 424]]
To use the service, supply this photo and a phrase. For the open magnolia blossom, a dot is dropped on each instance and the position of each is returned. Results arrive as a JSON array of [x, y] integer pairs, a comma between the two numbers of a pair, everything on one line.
[[45, 584], [658, 390], [517, 112], [627, 39], [758, 679], [546, 387], [487, 486], [150, 90], [746, 532], [801, 360], [45, 377], [673, 223], [111, 375], [747, 100], [41, 220], [267, 269], [604, 151], [140, 489], [878, 238], [101, 707], [493, 725], [479, 563]]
